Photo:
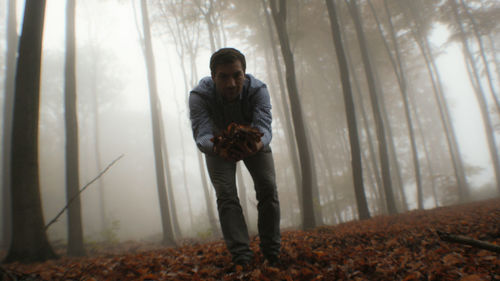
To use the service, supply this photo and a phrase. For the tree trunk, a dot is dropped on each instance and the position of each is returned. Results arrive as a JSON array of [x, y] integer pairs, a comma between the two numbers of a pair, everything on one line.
[[494, 55], [208, 199], [174, 218], [374, 96], [481, 99], [168, 234], [29, 241], [97, 146], [308, 219], [75, 229], [10, 72], [373, 156], [292, 146], [399, 71], [356, 164], [451, 138], [482, 51]]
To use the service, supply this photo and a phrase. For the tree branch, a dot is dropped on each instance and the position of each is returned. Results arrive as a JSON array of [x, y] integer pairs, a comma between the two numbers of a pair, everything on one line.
[[81, 190], [468, 241]]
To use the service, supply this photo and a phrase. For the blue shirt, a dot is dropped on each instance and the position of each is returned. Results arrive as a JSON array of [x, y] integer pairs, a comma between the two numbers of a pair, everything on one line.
[[210, 114]]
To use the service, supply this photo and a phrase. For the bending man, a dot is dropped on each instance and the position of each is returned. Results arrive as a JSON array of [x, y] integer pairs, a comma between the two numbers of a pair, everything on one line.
[[232, 96]]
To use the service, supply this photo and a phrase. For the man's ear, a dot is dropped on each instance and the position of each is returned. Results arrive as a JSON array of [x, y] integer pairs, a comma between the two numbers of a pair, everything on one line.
[[213, 76]]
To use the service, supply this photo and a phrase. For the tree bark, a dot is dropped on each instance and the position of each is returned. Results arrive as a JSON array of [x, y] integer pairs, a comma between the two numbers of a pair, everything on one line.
[[480, 96], [356, 164], [29, 241], [174, 218], [168, 234], [451, 138], [292, 146], [399, 71], [374, 97], [75, 229], [482, 51], [279, 16], [10, 72], [357, 94]]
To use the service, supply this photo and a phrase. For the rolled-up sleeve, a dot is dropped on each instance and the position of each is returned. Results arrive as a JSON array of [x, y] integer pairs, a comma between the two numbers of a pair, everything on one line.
[[262, 117], [201, 123]]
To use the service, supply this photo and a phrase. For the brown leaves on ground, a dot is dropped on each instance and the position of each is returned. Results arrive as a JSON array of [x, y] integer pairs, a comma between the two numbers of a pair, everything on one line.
[[402, 247]]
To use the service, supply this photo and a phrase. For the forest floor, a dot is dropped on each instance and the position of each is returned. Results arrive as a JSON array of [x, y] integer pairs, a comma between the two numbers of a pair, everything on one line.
[[400, 247]]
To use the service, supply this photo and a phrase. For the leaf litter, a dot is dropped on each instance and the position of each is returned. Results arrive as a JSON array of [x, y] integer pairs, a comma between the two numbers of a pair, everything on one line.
[[399, 247]]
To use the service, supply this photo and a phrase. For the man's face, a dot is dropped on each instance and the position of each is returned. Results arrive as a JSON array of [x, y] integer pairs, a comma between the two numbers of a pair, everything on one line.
[[229, 80]]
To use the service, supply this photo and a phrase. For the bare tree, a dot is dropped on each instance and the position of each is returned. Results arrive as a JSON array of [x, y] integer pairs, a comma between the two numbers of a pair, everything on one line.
[[397, 65], [29, 241], [480, 96], [168, 233], [423, 43], [75, 229], [356, 166], [308, 217], [10, 71], [185, 32], [482, 50], [374, 97], [292, 146]]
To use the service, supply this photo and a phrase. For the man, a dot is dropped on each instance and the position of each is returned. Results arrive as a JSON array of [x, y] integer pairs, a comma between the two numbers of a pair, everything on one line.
[[232, 96]]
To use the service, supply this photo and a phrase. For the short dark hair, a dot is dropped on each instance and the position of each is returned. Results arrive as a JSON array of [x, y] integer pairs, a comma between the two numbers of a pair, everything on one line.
[[226, 55]]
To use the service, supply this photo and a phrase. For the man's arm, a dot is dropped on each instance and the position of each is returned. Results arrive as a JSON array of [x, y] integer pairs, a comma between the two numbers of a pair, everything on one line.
[[262, 117], [201, 123]]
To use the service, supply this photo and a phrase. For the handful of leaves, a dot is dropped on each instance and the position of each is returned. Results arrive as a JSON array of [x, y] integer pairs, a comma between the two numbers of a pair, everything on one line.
[[237, 141]]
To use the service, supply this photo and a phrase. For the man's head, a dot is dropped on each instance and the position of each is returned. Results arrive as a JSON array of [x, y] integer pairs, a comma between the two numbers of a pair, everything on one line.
[[227, 66]]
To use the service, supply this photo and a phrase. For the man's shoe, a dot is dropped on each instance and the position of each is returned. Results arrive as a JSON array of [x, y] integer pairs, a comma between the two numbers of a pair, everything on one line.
[[244, 262]]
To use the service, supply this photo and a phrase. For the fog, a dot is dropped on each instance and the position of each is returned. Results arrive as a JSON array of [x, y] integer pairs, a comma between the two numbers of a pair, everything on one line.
[[114, 113]]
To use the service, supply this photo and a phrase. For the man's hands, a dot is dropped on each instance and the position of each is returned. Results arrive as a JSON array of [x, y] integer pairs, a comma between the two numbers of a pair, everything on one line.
[[238, 142]]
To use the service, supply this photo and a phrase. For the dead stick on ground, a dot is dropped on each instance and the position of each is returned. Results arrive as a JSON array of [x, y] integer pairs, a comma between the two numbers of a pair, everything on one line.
[[81, 190], [468, 241]]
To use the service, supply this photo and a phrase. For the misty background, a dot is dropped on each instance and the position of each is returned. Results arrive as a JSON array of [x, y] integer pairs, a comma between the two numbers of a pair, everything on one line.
[[114, 113]]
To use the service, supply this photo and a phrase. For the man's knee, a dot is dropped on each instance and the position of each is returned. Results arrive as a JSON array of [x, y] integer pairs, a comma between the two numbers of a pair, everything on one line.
[[226, 198], [266, 191]]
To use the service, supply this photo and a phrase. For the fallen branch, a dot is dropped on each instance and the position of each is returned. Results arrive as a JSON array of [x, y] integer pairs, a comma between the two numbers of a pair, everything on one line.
[[81, 190], [468, 241]]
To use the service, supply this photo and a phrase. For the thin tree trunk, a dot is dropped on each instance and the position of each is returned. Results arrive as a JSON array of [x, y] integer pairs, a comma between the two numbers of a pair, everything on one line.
[[180, 40], [308, 218], [356, 164], [208, 199], [483, 107], [29, 241], [10, 72], [451, 139], [174, 218], [283, 143], [401, 76], [383, 153], [184, 160], [370, 142], [482, 51], [97, 146], [75, 228], [494, 55], [168, 234], [391, 146], [292, 146]]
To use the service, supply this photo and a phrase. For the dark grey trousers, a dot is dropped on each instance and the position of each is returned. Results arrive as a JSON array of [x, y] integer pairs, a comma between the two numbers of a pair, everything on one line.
[[261, 168]]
